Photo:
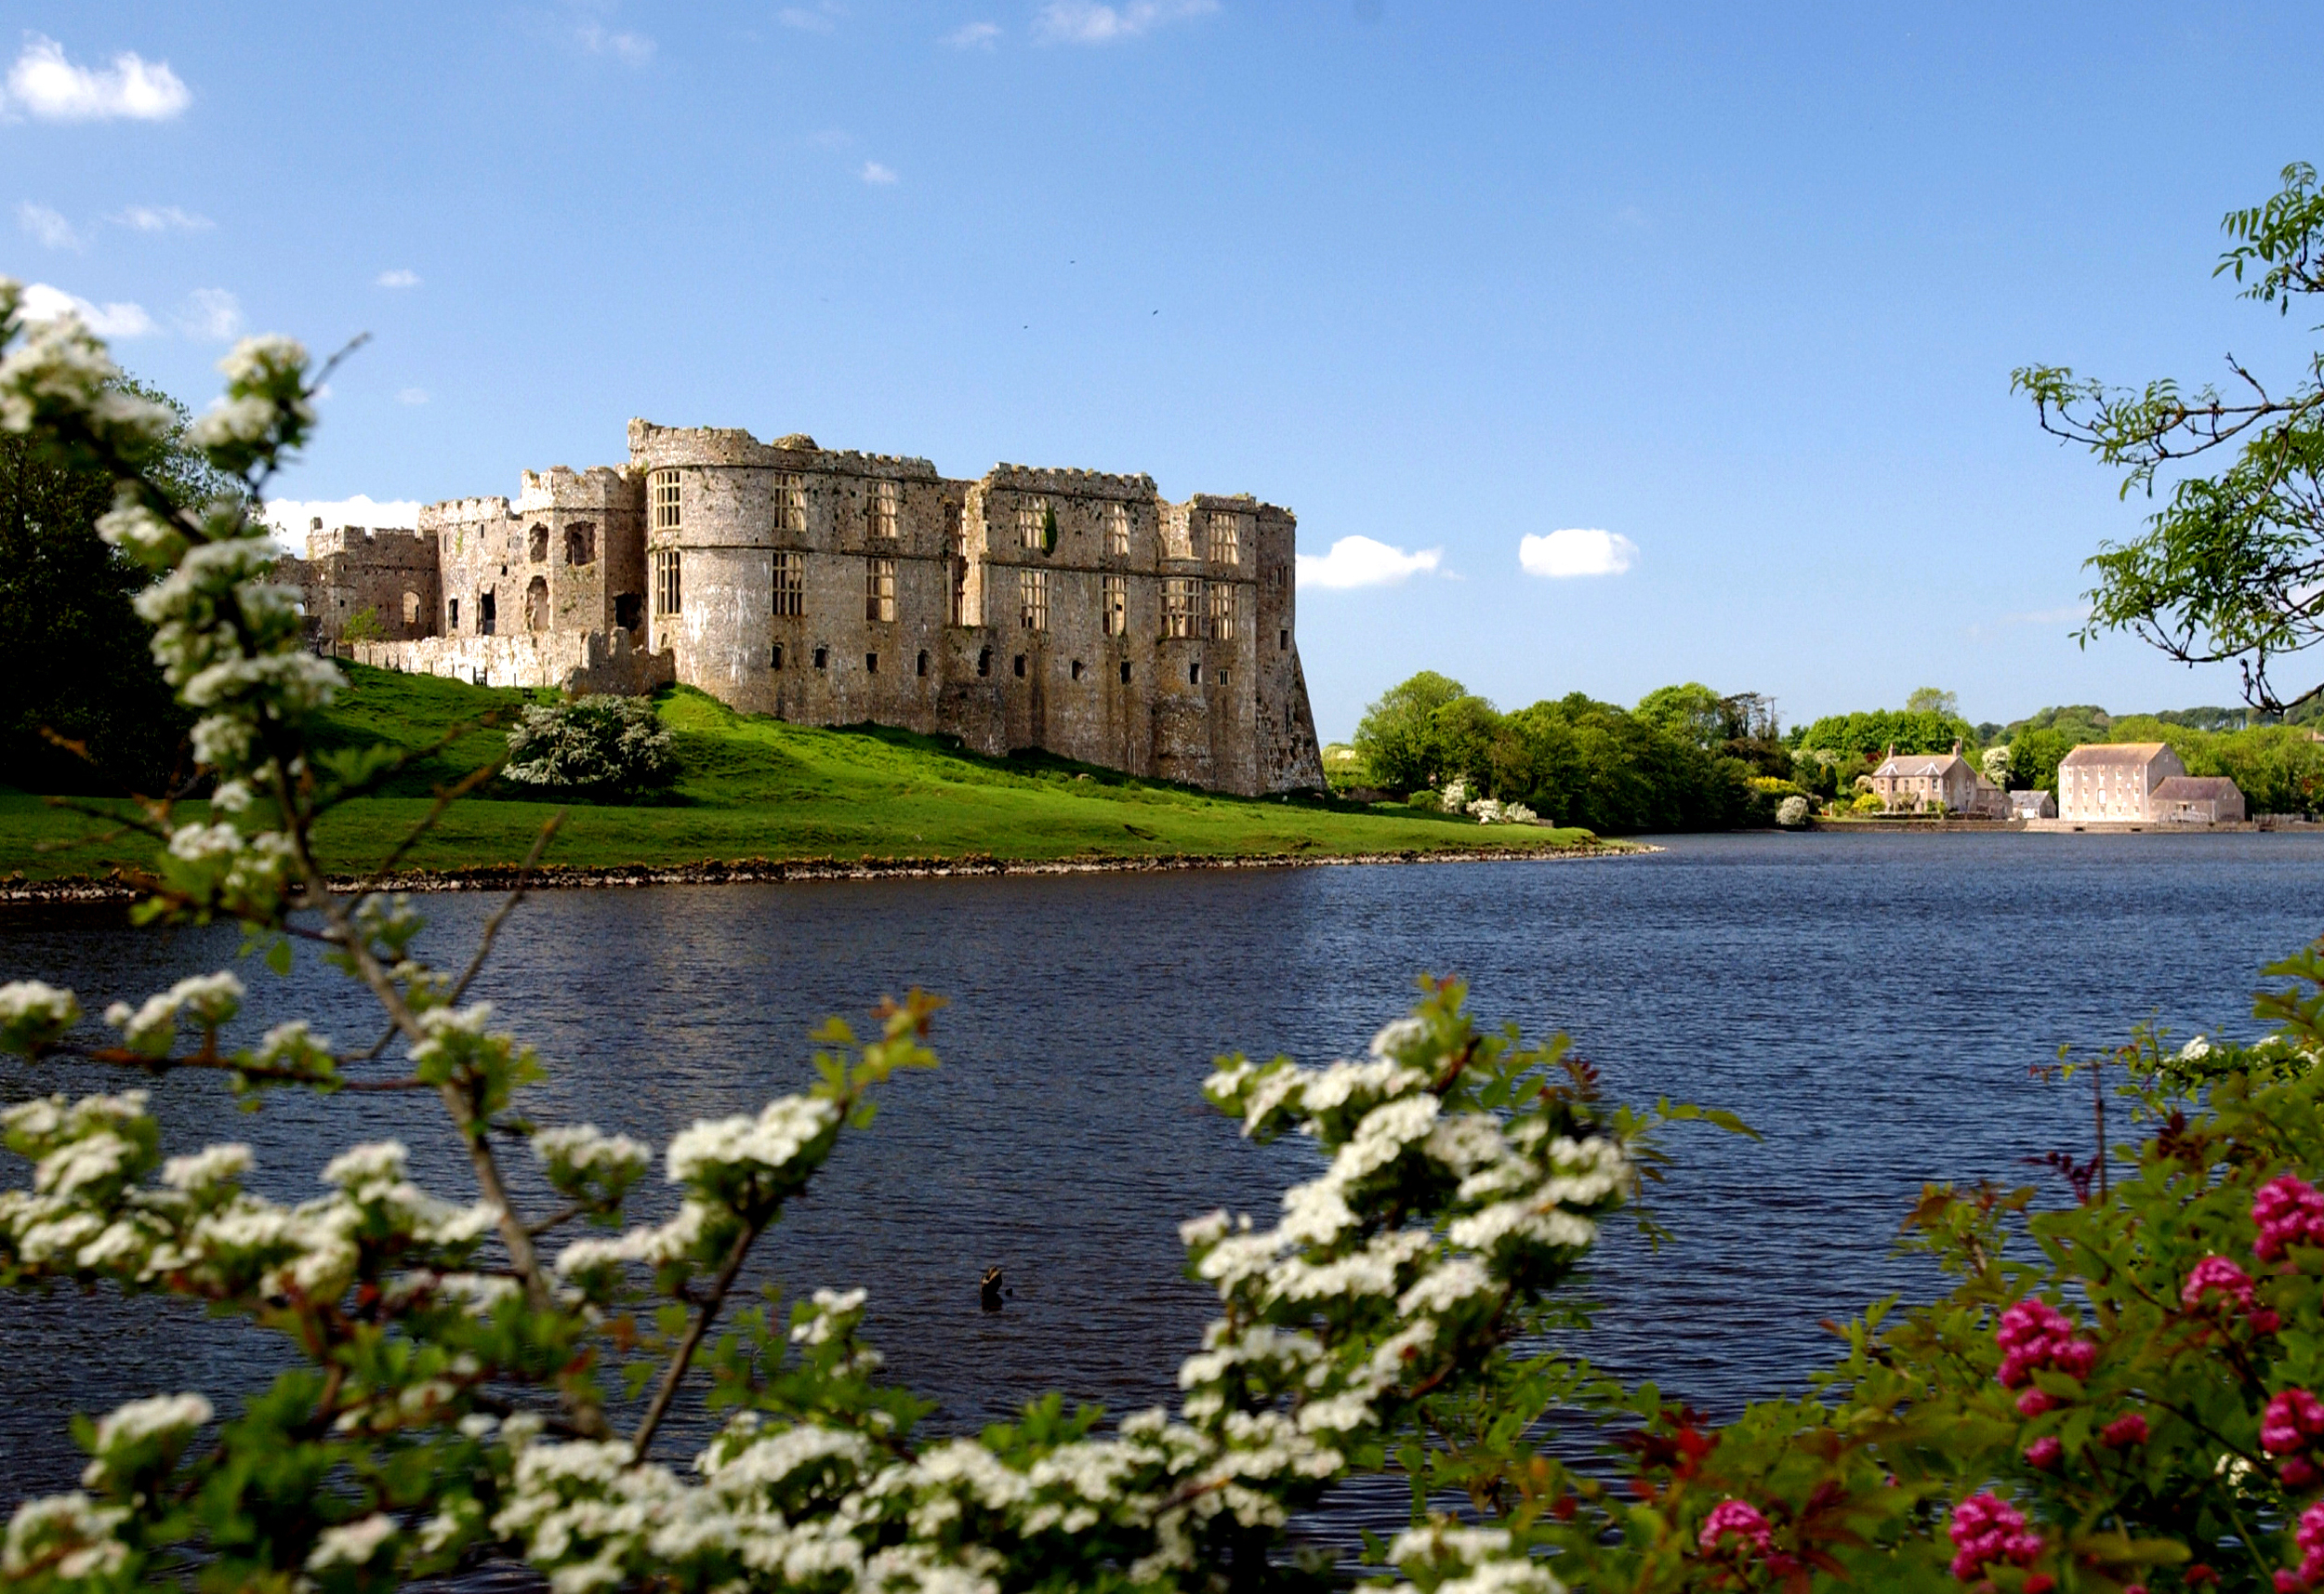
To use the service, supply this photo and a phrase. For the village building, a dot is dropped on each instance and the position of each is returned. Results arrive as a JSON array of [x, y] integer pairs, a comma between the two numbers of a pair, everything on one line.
[[2197, 799], [2113, 782], [2038, 803], [1922, 782], [1070, 611]]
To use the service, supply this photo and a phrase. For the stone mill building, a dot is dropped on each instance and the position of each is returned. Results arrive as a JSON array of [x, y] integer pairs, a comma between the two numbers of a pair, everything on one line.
[[1071, 610]]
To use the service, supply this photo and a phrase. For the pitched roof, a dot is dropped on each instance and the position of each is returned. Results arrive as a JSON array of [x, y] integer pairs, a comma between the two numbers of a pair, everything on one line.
[[1911, 764], [2130, 753], [2195, 788]]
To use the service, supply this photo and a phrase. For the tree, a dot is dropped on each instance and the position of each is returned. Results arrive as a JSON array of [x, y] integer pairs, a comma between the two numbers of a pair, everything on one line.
[[73, 649], [1693, 711], [1397, 735], [596, 746], [2229, 568], [1933, 700]]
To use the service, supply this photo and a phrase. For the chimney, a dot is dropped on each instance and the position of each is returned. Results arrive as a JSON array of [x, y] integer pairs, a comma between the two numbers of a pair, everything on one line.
[[1956, 746]]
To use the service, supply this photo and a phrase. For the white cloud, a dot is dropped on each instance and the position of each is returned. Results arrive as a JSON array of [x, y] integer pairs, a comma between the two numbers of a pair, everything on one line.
[[975, 36], [161, 218], [1576, 550], [43, 84], [213, 313], [632, 49], [49, 226], [290, 517], [42, 302], [821, 19], [875, 173], [396, 278], [411, 396], [1360, 561], [1087, 22]]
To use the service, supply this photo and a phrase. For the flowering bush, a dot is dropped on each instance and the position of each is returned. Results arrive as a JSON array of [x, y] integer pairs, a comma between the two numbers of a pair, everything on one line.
[[600, 747]]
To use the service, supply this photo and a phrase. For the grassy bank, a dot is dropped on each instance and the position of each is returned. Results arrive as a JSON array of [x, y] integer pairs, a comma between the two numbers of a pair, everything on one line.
[[758, 789]]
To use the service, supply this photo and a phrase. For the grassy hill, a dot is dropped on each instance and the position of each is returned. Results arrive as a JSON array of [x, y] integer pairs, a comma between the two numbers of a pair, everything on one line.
[[753, 787]]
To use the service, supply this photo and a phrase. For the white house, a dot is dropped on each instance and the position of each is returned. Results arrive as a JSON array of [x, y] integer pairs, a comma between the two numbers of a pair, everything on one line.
[[2113, 782]]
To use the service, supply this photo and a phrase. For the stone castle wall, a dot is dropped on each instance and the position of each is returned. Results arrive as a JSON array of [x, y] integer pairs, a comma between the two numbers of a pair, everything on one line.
[[1067, 610]]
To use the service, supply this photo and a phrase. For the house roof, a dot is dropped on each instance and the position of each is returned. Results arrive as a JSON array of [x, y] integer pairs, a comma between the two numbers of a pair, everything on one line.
[[1914, 765], [2115, 753], [2195, 788], [2033, 797]]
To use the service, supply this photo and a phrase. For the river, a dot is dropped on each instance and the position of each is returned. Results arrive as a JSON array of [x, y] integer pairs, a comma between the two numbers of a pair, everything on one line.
[[1873, 1005]]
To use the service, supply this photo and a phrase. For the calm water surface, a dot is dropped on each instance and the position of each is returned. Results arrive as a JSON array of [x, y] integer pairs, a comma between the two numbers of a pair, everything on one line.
[[1872, 1004]]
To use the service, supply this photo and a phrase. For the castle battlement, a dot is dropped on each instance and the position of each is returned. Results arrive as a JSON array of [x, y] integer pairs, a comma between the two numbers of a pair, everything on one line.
[[561, 487], [384, 544]]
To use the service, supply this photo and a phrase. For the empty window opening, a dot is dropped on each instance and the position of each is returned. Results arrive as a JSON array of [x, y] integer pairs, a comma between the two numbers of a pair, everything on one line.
[[822, 658], [1283, 641], [628, 610], [957, 558], [1032, 516], [1194, 674], [1117, 529], [1222, 681], [871, 664], [1223, 611], [1226, 537], [1181, 606], [777, 663], [1033, 599], [879, 590], [1125, 672], [581, 543], [451, 615], [411, 610], [879, 509], [790, 583], [536, 604], [790, 501], [487, 614], [537, 545], [1020, 666], [984, 661], [1114, 605], [1275, 574], [668, 587], [923, 666], [663, 485], [1077, 669]]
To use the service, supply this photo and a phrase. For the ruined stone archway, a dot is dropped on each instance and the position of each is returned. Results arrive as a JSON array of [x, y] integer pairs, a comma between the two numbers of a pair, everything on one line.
[[536, 604]]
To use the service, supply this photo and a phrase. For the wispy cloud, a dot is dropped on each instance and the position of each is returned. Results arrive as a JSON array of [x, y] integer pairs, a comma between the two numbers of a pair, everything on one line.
[[820, 19], [399, 277], [974, 37], [49, 226], [1088, 22], [877, 174], [42, 302], [1576, 550], [1360, 561], [46, 86], [212, 313], [631, 49], [411, 396], [161, 218]]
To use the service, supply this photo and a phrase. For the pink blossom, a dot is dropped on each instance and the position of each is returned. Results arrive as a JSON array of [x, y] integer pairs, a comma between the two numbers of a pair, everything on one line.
[[2311, 1541], [2297, 1472], [2044, 1452], [2286, 1582], [2033, 1403], [2289, 1211], [2125, 1431], [1737, 1516], [2217, 1273], [2291, 1419], [2034, 1334], [1987, 1529]]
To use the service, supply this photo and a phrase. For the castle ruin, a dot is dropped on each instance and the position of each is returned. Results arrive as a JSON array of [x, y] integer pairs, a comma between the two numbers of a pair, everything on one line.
[[1065, 610]]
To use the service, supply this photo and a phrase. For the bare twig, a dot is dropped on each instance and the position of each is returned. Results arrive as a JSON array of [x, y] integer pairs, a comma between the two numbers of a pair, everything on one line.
[[694, 1331]]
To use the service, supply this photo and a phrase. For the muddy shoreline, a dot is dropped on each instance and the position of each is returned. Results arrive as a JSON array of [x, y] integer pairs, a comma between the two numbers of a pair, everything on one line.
[[761, 871]]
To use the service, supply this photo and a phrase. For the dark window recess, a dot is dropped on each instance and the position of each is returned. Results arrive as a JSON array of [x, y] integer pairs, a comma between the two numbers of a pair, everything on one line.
[[484, 616], [922, 668], [871, 664], [984, 661], [1077, 669], [1283, 641], [628, 610], [823, 658], [778, 657], [1193, 675], [1021, 666], [453, 624], [1222, 678], [1125, 672]]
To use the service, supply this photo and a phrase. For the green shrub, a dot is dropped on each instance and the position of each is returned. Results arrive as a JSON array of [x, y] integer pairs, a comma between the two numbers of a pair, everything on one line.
[[593, 746]]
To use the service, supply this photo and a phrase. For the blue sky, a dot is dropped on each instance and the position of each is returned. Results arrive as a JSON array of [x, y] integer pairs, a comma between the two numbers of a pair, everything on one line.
[[1738, 289]]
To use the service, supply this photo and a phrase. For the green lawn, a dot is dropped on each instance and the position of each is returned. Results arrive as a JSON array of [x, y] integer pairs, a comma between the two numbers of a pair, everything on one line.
[[754, 788]]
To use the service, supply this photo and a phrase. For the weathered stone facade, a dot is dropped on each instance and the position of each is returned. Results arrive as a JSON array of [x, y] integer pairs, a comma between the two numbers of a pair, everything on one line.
[[1065, 610]]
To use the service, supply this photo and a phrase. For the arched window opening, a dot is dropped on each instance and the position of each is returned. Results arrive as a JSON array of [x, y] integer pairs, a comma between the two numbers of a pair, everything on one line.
[[581, 543], [537, 545]]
